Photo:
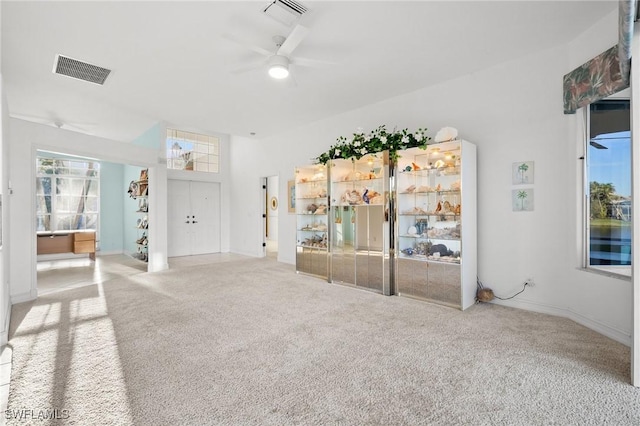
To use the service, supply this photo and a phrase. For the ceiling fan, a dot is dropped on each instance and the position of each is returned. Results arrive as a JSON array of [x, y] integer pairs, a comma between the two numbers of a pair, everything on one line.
[[55, 121], [278, 60]]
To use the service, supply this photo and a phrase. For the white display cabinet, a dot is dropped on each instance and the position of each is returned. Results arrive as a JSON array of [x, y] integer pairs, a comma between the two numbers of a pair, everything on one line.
[[312, 224], [360, 227], [435, 226]]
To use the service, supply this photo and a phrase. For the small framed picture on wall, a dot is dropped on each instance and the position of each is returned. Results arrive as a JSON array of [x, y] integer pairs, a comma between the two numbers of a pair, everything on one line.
[[291, 196], [522, 173]]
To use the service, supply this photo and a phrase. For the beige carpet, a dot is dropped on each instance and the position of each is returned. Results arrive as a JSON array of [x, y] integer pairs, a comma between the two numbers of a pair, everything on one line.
[[252, 343]]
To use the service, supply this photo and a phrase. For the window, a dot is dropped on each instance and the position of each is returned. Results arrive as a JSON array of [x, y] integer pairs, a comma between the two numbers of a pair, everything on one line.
[[192, 151], [608, 187], [67, 194]]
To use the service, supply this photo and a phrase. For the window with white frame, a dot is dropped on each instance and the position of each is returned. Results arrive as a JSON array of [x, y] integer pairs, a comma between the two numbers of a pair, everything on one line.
[[192, 151], [67, 194], [608, 187]]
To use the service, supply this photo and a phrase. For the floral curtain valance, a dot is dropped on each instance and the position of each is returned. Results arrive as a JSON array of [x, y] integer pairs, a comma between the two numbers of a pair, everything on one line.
[[607, 73], [593, 80]]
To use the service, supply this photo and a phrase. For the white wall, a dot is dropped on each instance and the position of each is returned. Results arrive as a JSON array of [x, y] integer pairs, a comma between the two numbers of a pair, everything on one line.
[[25, 139], [513, 112], [5, 302]]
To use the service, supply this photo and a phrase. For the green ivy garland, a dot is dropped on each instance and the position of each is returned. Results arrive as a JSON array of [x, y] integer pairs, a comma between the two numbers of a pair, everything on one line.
[[376, 141]]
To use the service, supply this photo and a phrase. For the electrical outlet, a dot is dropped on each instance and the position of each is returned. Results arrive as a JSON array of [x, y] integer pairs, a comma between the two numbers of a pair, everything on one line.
[[530, 282]]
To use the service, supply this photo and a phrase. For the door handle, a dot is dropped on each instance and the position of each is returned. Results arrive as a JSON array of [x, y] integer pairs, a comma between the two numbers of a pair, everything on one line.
[[195, 221]]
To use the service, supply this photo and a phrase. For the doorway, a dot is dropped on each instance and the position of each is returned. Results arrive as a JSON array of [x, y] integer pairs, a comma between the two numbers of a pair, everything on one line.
[[82, 217], [193, 217], [271, 207]]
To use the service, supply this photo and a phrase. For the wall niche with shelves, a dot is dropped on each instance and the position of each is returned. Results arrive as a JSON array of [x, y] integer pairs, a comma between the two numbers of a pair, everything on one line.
[[139, 190]]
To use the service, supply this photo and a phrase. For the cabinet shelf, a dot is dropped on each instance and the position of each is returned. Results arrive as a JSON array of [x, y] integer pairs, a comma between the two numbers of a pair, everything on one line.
[[441, 192], [420, 237], [442, 171], [357, 180], [430, 214], [323, 182], [312, 247], [430, 259]]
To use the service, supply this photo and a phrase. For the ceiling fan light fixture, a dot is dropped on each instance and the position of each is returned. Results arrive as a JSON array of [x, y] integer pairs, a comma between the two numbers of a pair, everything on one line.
[[279, 67]]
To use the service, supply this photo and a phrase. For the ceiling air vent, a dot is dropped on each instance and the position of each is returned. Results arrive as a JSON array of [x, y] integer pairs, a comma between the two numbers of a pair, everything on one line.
[[80, 70], [287, 12]]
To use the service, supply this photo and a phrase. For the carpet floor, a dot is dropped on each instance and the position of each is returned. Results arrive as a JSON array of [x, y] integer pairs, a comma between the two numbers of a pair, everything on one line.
[[253, 343]]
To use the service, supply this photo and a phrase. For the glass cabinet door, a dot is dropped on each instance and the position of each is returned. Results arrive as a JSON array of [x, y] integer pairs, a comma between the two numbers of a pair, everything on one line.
[[360, 222], [312, 225], [429, 223]]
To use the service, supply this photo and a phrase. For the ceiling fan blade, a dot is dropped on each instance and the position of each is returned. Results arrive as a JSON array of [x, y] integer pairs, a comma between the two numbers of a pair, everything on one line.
[[73, 128], [55, 122], [297, 35], [247, 44], [305, 62], [247, 68], [32, 118]]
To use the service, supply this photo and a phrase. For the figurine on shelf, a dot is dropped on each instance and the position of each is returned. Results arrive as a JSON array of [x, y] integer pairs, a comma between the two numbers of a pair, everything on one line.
[[374, 197], [352, 197], [408, 251]]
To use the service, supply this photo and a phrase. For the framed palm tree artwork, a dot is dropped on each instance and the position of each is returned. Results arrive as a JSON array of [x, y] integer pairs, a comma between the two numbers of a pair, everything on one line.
[[522, 173], [522, 200]]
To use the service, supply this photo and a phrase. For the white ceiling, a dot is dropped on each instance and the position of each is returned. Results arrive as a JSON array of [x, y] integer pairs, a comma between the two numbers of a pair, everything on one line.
[[171, 63]]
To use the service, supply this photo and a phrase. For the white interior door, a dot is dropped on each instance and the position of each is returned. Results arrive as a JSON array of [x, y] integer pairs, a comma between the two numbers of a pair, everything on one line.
[[205, 217], [178, 218], [193, 218]]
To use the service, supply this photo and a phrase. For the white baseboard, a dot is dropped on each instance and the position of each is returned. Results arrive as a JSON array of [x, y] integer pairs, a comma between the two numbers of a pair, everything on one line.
[[620, 336], [245, 253], [529, 305], [4, 335], [23, 297], [611, 332], [109, 253], [288, 260], [60, 256]]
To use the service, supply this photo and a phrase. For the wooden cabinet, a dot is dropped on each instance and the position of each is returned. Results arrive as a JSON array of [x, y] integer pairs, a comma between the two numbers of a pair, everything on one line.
[[76, 242]]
